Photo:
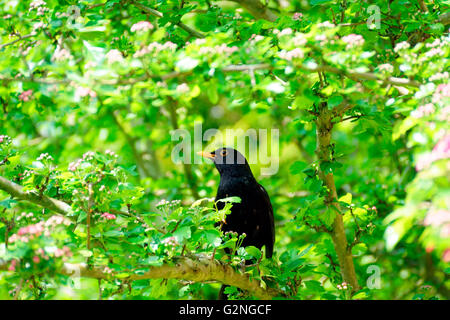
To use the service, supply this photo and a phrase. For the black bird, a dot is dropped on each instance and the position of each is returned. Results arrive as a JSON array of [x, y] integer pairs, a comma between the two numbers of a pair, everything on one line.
[[254, 214]]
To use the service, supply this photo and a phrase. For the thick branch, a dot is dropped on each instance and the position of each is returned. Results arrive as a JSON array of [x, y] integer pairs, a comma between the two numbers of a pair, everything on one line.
[[200, 269], [324, 128], [16, 191]]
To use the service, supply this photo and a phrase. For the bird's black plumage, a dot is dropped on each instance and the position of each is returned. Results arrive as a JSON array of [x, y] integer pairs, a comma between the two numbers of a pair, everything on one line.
[[254, 214]]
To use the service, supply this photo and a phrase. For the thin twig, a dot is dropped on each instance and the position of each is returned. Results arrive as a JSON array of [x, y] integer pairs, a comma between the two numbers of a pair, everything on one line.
[[17, 40], [158, 14]]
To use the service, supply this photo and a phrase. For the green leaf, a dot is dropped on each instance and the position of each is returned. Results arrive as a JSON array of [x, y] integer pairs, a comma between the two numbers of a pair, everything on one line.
[[211, 91], [328, 216], [182, 233], [359, 249], [230, 199], [122, 275], [346, 199], [113, 233], [254, 252], [7, 203], [317, 2], [334, 101], [86, 253], [297, 167], [314, 285], [213, 237]]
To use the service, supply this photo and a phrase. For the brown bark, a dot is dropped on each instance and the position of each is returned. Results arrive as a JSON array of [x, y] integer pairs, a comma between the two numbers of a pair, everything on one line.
[[324, 129], [198, 269]]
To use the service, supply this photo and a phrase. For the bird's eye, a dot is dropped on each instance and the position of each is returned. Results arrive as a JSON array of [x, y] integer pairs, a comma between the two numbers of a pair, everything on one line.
[[224, 153]]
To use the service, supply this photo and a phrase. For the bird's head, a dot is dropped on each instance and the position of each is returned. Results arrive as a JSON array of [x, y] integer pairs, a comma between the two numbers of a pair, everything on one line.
[[229, 162]]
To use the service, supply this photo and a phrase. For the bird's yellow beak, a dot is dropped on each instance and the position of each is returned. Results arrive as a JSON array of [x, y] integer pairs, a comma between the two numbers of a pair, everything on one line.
[[206, 154]]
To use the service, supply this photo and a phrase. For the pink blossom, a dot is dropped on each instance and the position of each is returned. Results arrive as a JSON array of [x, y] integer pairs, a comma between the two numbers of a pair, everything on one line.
[[439, 76], [297, 16], [114, 55], [36, 4], [45, 156], [88, 156], [256, 37], [65, 251], [321, 38], [446, 256], [292, 54], [327, 24], [36, 259], [182, 88], [26, 95], [445, 231], [353, 40], [386, 67], [299, 40], [12, 266], [61, 54], [440, 151], [81, 92], [422, 111], [401, 46], [434, 52], [219, 49], [442, 91], [73, 166], [435, 43], [284, 32], [444, 114], [108, 216], [141, 26], [155, 47], [38, 25], [171, 241], [437, 217]]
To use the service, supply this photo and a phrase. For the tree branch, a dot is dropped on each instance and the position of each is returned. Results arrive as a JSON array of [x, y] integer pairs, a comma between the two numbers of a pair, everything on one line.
[[58, 206], [324, 128], [158, 14], [198, 269], [17, 40], [16, 191], [357, 76]]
